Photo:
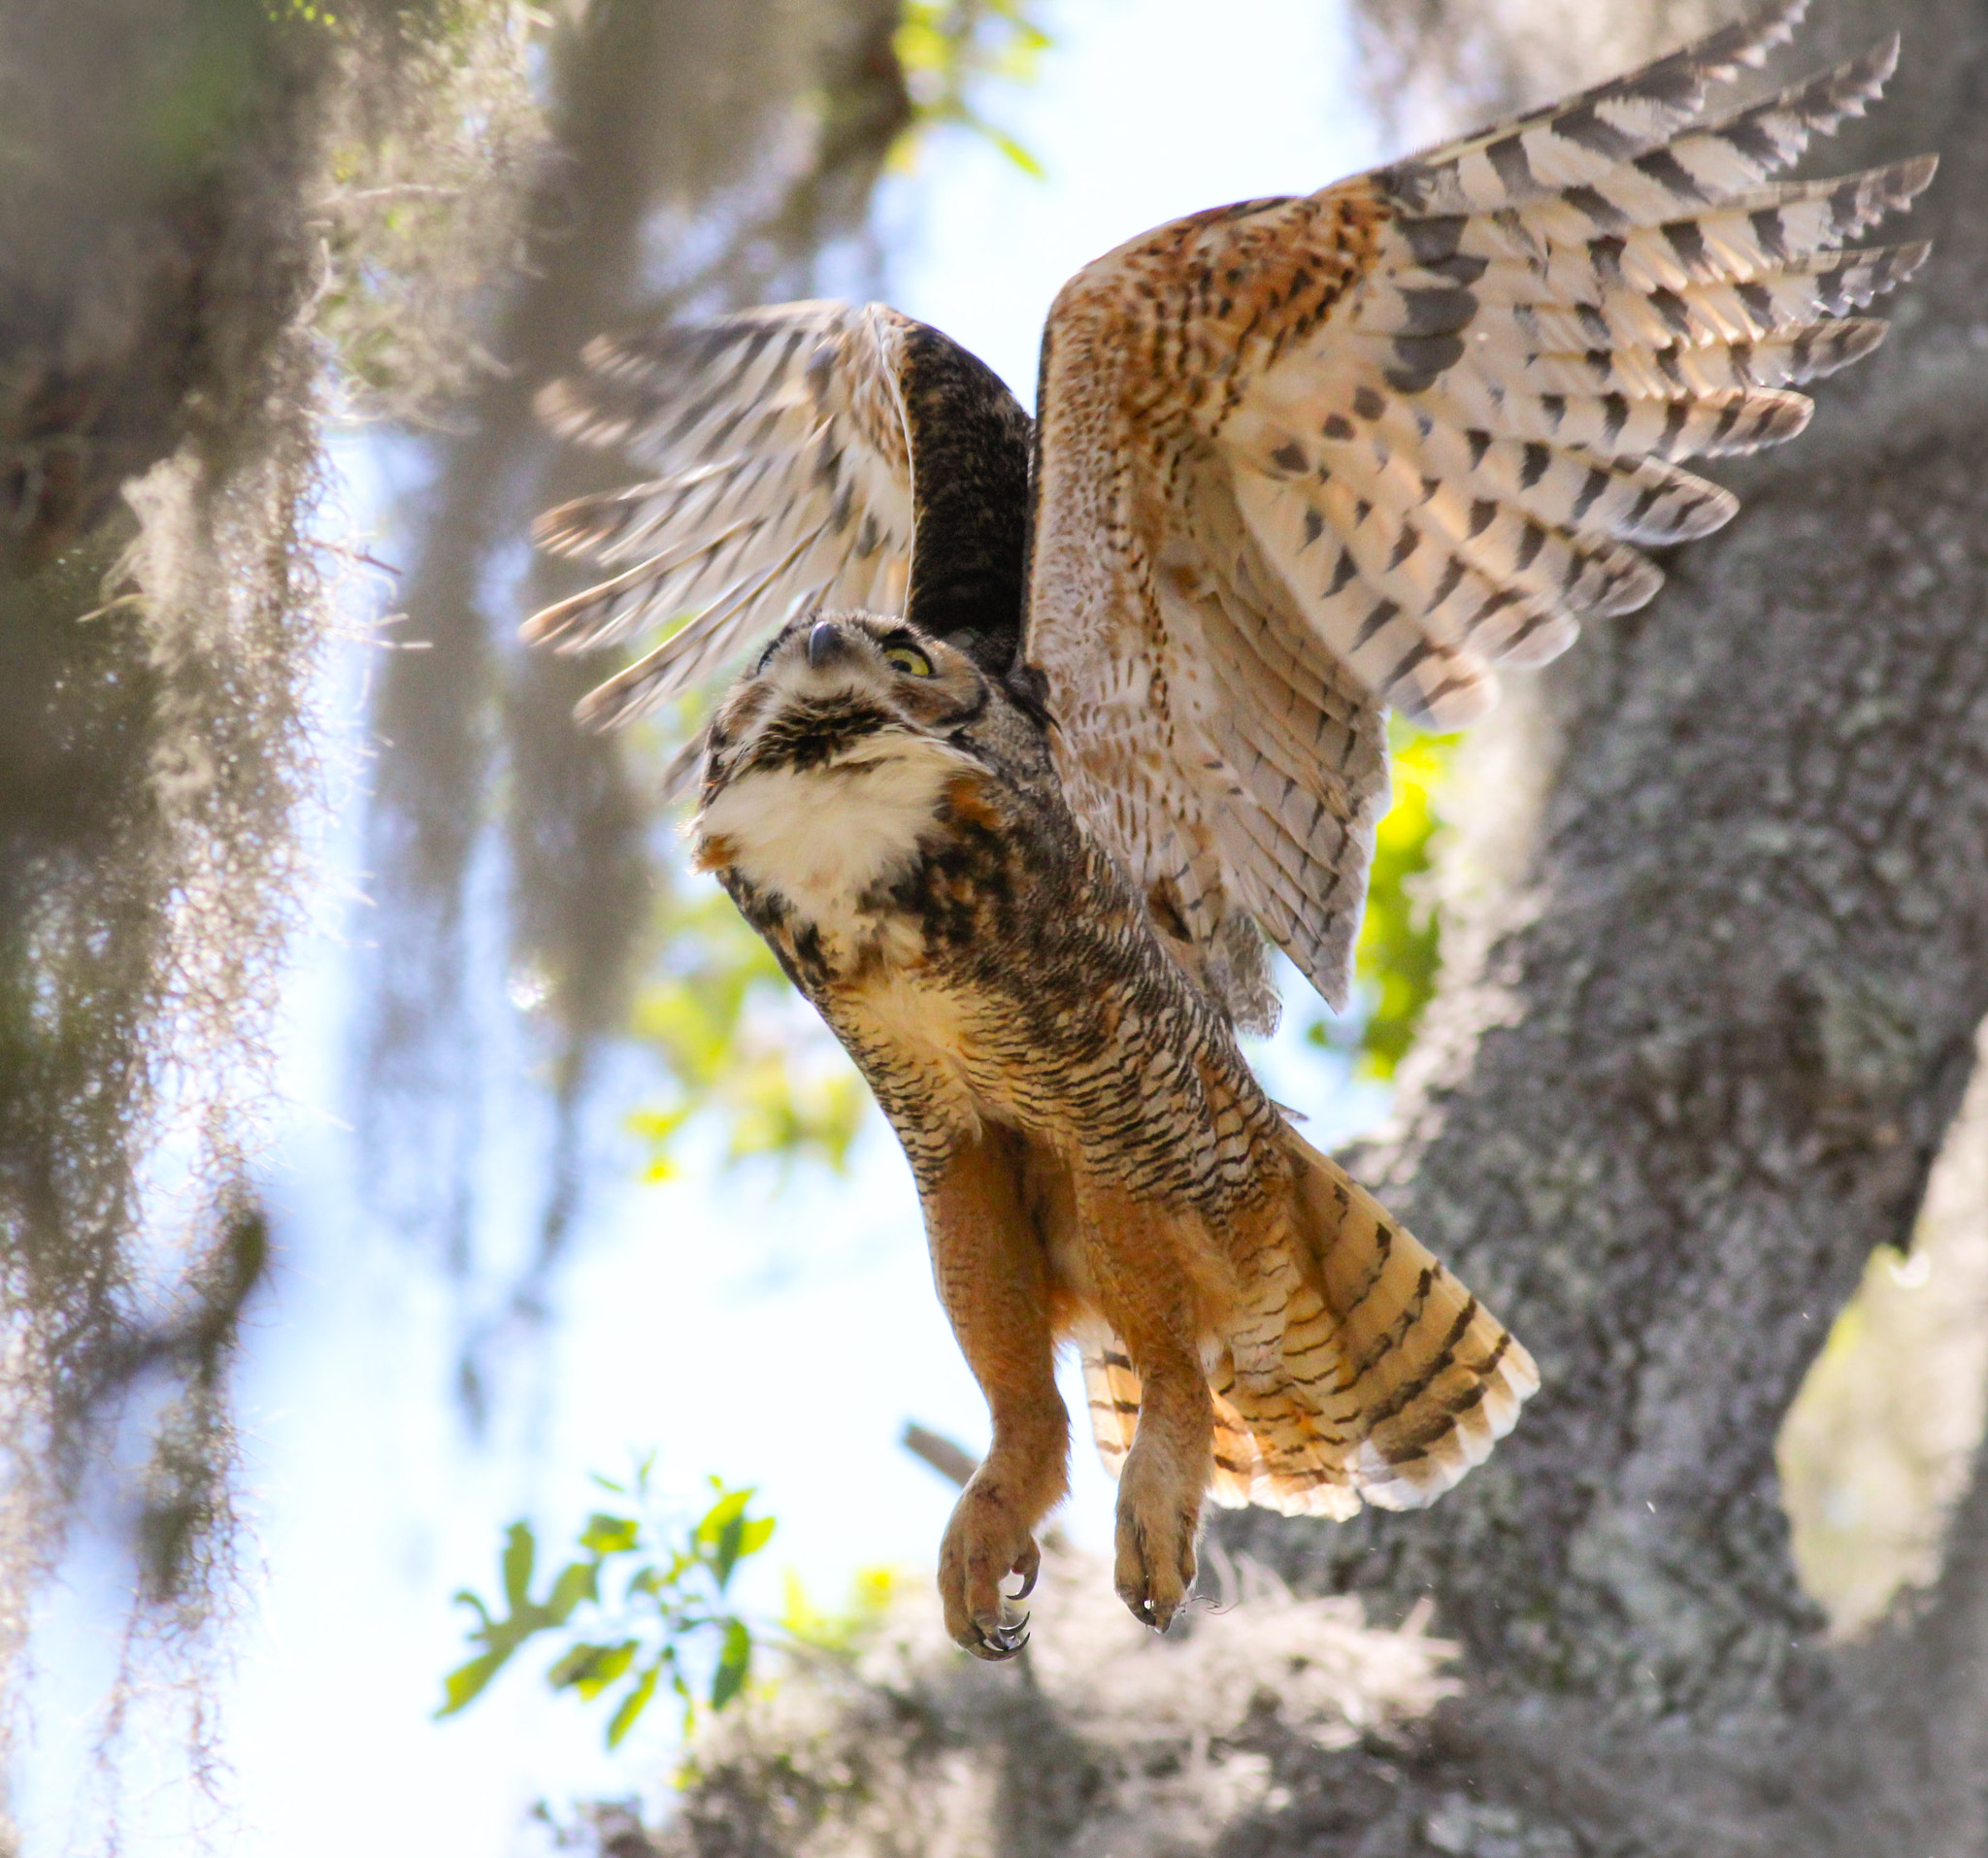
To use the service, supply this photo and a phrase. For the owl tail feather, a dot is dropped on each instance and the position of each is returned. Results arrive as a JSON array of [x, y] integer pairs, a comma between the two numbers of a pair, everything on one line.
[[1360, 1371], [1406, 1379]]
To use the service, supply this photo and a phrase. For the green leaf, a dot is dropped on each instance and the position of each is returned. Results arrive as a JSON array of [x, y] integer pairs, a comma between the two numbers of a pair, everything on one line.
[[634, 1704], [950, 50], [636, 1641], [735, 1662], [608, 1535], [465, 1683], [739, 1536], [521, 1552], [592, 1669], [462, 1597], [1399, 953], [786, 1092], [725, 1557], [800, 1617], [572, 1663], [727, 1509], [608, 1669], [681, 1564], [1006, 145], [577, 1581]]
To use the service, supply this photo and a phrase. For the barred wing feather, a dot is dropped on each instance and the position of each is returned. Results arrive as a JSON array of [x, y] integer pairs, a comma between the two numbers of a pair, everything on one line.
[[785, 483], [1304, 459]]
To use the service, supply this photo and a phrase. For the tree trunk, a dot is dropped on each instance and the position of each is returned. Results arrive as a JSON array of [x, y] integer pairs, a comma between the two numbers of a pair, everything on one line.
[[1701, 1036]]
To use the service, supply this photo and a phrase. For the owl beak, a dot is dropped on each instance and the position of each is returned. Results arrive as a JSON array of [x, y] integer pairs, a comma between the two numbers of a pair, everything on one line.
[[825, 643]]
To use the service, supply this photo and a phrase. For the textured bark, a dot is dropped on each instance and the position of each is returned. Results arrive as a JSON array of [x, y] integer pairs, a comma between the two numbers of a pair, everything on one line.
[[1711, 1006], [1704, 1067]]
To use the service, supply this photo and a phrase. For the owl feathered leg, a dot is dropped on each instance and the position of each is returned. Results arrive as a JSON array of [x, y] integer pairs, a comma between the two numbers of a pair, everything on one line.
[[992, 1276], [1150, 1272]]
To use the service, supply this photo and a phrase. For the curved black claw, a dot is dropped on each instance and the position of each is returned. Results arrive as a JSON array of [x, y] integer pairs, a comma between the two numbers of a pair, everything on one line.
[[1028, 1567], [998, 1643], [1148, 1614]]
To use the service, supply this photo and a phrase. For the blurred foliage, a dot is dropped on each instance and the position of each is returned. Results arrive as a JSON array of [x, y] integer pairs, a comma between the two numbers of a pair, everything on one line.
[[736, 1041], [671, 1624], [841, 1633], [168, 580], [422, 220], [1398, 953], [948, 48], [669, 1599], [1878, 1444]]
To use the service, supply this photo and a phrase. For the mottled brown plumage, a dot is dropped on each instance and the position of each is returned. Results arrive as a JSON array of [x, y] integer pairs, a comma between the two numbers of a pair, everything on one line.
[[1095, 1159], [1297, 460]]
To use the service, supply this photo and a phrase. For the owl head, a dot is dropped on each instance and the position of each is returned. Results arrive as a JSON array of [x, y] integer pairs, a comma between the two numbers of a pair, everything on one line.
[[842, 689]]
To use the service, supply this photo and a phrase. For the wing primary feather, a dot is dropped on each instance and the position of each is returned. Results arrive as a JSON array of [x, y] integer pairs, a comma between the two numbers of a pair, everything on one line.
[[604, 614], [802, 447], [696, 649], [1572, 140]]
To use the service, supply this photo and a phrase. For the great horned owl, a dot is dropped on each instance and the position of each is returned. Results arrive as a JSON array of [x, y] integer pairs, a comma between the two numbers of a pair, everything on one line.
[[1095, 1159], [1297, 460]]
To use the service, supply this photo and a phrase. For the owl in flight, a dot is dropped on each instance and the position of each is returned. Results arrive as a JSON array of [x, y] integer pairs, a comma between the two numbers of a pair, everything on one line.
[[1045, 733]]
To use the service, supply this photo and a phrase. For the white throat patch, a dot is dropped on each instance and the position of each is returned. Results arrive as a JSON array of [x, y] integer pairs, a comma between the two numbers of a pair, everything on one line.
[[822, 835]]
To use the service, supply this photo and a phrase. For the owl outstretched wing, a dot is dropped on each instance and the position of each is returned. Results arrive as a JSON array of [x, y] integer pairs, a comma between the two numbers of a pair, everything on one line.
[[1302, 460], [786, 439]]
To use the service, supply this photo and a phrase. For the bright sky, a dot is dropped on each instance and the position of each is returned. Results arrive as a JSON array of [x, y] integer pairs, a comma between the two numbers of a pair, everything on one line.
[[779, 1341]]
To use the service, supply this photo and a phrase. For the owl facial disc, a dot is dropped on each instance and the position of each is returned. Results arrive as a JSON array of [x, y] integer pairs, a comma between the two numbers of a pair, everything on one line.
[[831, 688]]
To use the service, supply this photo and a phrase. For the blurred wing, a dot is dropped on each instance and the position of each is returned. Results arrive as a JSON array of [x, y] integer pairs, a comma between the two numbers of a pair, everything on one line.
[[1306, 458], [785, 483]]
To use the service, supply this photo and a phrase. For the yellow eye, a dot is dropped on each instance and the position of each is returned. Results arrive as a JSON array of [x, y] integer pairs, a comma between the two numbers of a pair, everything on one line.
[[913, 663]]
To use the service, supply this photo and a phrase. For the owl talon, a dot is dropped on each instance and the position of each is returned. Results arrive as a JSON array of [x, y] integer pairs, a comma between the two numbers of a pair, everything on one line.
[[984, 1543], [1155, 1563], [996, 1643]]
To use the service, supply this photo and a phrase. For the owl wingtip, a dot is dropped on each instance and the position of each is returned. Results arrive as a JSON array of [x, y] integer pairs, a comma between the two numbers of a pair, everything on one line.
[[609, 705]]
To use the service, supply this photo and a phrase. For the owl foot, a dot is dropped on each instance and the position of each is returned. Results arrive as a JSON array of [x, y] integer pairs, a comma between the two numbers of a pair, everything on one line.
[[1155, 1563], [984, 1543]]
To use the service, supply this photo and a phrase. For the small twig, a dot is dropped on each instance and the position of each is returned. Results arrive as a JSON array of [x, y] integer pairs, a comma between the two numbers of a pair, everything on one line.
[[347, 551], [398, 189], [952, 1462], [110, 606]]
